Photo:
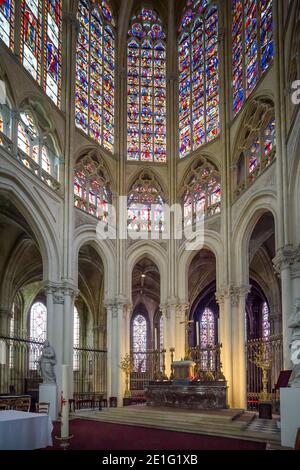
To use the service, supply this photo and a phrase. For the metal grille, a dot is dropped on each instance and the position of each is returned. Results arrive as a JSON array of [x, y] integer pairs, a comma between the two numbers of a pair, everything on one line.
[[19, 373], [147, 367], [89, 370], [254, 373]]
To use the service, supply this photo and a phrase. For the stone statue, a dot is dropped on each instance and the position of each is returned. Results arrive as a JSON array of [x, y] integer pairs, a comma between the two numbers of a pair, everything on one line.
[[295, 346], [47, 362]]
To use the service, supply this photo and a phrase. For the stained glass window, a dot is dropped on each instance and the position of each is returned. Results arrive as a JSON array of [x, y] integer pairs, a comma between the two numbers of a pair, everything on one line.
[[12, 334], [38, 330], [252, 46], [139, 343], [207, 336], [146, 88], [266, 327], [36, 151], [31, 37], [199, 116], [95, 72], [201, 192], [7, 18], [145, 205], [76, 339], [258, 143], [52, 49], [5, 121], [91, 187], [41, 37]]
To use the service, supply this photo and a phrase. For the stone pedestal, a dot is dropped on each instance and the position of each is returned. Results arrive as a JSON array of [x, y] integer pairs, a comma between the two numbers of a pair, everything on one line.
[[289, 415], [48, 393]]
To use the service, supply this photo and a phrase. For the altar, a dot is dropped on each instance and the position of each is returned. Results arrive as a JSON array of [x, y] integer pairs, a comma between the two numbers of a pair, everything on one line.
[[193, 395]]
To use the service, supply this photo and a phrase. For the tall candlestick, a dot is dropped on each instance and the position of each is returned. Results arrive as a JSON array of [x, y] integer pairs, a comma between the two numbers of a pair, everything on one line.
[[65, 402], [197, 333]]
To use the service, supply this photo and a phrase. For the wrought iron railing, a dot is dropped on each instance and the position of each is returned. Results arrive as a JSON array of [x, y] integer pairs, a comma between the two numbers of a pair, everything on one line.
[[273, 349], [19, 372], [148, 366], [89, 369]]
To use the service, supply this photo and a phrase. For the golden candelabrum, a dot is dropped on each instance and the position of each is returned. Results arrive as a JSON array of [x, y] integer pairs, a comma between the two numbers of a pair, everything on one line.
[[127, 366], [263, 361]]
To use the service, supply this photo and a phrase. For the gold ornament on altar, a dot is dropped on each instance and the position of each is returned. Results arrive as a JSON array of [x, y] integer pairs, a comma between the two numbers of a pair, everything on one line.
[[127, 366], [263, 360]]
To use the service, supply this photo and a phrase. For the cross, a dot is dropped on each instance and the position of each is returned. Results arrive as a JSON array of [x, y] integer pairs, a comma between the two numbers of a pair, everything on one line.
[[63, 401], [187, 324]]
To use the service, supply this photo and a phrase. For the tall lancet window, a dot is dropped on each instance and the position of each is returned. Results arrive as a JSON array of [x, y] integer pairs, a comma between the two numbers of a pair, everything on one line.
[[7, 18], [41, 39], [38, 330], [199, 116], [207, 337], [146, 88], [266, 327], [95, 72], [252, 46], [76, 339], [139, 342]]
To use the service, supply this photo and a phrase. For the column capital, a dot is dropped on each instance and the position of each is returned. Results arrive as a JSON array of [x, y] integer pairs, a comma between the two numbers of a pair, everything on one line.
[[118, 304], [286, 257], [60, 291]]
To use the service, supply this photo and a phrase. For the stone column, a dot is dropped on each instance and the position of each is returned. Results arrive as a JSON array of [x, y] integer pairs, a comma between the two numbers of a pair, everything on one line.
[[5, 316], [223, 297], [117, 345], [55, 327], [60, 316], [239, 379], [180, 317], [282, 263], [68, 340]]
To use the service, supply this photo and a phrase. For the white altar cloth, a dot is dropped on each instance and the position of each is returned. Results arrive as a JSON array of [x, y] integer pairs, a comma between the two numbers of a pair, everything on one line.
[[20, 430]]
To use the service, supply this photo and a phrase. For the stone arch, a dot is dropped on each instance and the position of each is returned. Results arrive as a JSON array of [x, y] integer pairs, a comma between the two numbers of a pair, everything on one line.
[[153, 175], [259, 204], [213, 243], [153, 251], [36, 216], [86, 234]]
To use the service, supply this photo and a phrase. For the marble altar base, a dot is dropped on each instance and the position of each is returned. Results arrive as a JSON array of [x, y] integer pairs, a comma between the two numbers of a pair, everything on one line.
[[199, 395]]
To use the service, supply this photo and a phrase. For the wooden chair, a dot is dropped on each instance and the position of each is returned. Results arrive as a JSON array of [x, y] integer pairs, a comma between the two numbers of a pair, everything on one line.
[[42, 407], [23, 404]]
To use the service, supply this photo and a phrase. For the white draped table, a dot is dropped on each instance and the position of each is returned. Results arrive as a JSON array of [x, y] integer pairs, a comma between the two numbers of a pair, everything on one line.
[[20, 430]]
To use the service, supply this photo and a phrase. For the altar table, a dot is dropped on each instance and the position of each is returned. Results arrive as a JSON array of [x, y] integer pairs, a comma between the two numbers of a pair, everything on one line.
[[20, 430]]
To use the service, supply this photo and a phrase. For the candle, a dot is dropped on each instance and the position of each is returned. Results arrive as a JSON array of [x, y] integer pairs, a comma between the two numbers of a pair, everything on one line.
[[155, 339], [197, 333], [65, 402]]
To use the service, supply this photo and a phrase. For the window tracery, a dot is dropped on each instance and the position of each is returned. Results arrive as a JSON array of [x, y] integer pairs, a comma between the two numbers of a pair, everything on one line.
[[145, 205], [199, 116], [257, 143], [201, 192], [252, 46], [146, 88], [95, 72], [92, 186]]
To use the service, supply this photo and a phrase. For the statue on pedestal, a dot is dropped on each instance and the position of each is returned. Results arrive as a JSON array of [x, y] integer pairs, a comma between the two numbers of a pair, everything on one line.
[[295, 346], [46, 363]]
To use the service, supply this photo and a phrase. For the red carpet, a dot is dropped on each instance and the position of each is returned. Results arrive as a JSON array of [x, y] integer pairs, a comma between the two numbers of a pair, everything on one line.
[[93, 435]]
